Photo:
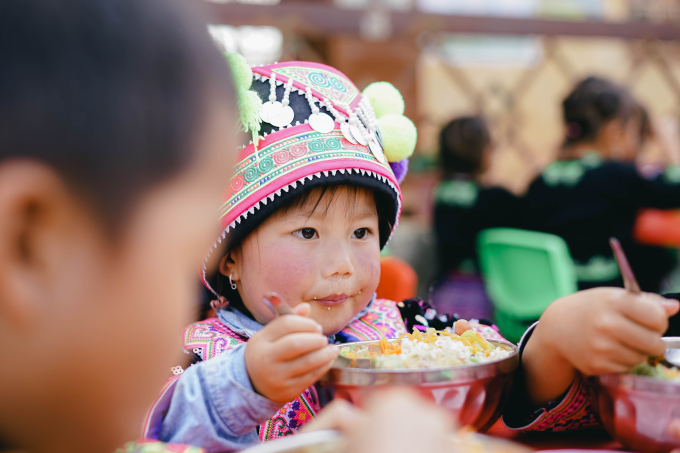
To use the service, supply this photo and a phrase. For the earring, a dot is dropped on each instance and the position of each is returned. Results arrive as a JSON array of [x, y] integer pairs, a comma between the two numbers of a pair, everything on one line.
[[231, 282]]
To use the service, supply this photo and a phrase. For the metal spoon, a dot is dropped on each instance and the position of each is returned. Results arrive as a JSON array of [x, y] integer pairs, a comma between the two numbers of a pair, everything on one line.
[[671, 357], [276, 304], [629, 280]]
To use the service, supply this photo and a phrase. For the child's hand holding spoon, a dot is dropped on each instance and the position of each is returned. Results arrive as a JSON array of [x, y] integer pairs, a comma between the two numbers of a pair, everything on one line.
[[631, 285], [289, 354]]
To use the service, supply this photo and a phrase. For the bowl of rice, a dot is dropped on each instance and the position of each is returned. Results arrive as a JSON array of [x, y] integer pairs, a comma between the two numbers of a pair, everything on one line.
[[467, 374], [636, 408]]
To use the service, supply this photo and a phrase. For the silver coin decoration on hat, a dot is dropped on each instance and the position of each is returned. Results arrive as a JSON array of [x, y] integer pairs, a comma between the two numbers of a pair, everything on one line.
[[374, 143], [354, 128], [347, 133], [268, 106], [282, 115], [319, 121], [341, 119]]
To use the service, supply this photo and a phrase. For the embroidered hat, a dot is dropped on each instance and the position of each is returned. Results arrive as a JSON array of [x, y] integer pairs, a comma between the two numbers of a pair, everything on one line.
[[311, 127]]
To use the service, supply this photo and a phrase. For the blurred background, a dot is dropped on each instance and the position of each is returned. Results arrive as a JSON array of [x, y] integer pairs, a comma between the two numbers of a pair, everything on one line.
[[512, 61]]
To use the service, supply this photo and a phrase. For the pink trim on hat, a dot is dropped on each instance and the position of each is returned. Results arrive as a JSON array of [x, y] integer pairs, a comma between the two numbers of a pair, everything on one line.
[[308, 170]]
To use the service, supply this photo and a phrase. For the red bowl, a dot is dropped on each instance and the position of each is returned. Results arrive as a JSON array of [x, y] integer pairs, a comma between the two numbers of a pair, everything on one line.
[[637, 410]]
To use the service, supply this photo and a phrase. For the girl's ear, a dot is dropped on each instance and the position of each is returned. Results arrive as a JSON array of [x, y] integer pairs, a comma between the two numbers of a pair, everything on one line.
[[229, 266]]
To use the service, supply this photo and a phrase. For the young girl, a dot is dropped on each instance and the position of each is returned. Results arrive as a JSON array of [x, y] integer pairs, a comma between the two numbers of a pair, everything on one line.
[[308, 209], [109, 165], [463, 208], [594, 191]]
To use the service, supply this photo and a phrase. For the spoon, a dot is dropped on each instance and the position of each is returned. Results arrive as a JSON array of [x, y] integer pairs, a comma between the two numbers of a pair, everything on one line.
[[671, 357], [629, 280], [276, 304]]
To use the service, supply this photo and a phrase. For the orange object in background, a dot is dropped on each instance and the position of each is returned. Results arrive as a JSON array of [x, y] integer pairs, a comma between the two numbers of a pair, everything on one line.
[[398, 280], [657, 227]]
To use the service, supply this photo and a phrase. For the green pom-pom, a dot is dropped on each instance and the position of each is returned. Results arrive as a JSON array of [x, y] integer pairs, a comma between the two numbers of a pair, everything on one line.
[[240, 70], [249, 105], [399, 137], [385, 99]]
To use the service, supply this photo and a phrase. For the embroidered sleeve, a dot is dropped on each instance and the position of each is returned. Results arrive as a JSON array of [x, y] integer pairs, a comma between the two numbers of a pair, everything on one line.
[[572, 411], [569, 413], [214, 405]]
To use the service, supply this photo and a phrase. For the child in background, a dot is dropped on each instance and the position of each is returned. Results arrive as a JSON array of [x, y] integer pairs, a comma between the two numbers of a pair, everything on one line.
[[307, 212], [594, 191], [112, 150], [463, 208]]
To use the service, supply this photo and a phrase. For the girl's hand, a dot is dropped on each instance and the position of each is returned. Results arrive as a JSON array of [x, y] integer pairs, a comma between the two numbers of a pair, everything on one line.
[[597, 331], [288, 355]]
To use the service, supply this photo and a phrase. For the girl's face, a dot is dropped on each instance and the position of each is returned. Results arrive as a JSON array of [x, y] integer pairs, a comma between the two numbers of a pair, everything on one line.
[[326, 255]]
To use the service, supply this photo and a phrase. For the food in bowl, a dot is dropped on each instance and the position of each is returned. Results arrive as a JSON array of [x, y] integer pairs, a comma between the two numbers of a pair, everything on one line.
[[431, 349], [637, 408], [652, 368]]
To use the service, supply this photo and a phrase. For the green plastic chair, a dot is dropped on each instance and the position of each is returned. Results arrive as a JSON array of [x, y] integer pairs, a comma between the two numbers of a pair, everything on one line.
[[524, 271]]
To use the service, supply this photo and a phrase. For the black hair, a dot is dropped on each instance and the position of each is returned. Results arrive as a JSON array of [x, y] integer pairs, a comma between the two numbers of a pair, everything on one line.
[[314, 198], [461, 145], [109, 93], [592, 104]]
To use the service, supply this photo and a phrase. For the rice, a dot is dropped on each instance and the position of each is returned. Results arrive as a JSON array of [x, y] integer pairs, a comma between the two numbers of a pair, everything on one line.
[[444, 352]]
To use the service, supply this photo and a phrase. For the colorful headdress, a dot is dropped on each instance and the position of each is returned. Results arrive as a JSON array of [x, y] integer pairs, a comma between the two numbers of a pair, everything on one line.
[[311, 127]]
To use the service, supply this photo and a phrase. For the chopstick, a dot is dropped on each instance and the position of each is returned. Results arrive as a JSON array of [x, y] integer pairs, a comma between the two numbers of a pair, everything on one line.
[[629, 280]]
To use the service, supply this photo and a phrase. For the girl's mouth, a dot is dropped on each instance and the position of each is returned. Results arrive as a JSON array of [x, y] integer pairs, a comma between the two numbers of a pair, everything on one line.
[[332, 300]]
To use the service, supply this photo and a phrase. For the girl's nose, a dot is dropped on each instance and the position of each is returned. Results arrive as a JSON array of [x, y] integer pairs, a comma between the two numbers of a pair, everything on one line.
[[337, 262]]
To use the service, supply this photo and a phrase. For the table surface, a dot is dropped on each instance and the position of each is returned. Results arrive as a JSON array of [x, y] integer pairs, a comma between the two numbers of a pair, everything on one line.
[[587, 440]]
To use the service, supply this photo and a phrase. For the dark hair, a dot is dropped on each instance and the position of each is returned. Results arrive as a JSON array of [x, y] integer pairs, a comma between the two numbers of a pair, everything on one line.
[[311, 198], [109, 93], [461, 145], [592, 104]]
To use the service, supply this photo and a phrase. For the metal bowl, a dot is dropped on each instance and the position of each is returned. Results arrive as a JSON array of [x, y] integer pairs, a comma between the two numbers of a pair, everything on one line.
[[636, 410], [475, 394], [333, 442]]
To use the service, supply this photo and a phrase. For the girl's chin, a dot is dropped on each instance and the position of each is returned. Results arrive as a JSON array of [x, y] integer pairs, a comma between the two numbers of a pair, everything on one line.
[[332, 321]]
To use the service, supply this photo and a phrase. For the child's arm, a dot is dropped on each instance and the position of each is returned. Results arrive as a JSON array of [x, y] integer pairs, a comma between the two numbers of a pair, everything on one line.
[[217, 404], [602, 330], [214, 406]]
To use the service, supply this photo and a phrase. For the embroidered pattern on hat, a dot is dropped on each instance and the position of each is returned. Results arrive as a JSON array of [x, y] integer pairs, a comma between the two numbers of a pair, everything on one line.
[[303, 149], [323, 79]]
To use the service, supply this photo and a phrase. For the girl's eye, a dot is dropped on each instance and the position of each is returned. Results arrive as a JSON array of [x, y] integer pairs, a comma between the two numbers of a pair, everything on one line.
[[360, 233], [306, 233]]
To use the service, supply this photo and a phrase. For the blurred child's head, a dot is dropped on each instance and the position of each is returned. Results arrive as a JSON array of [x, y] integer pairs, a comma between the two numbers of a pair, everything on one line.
[[115, 131], [465, 146], [602, 116], [309, 209]]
